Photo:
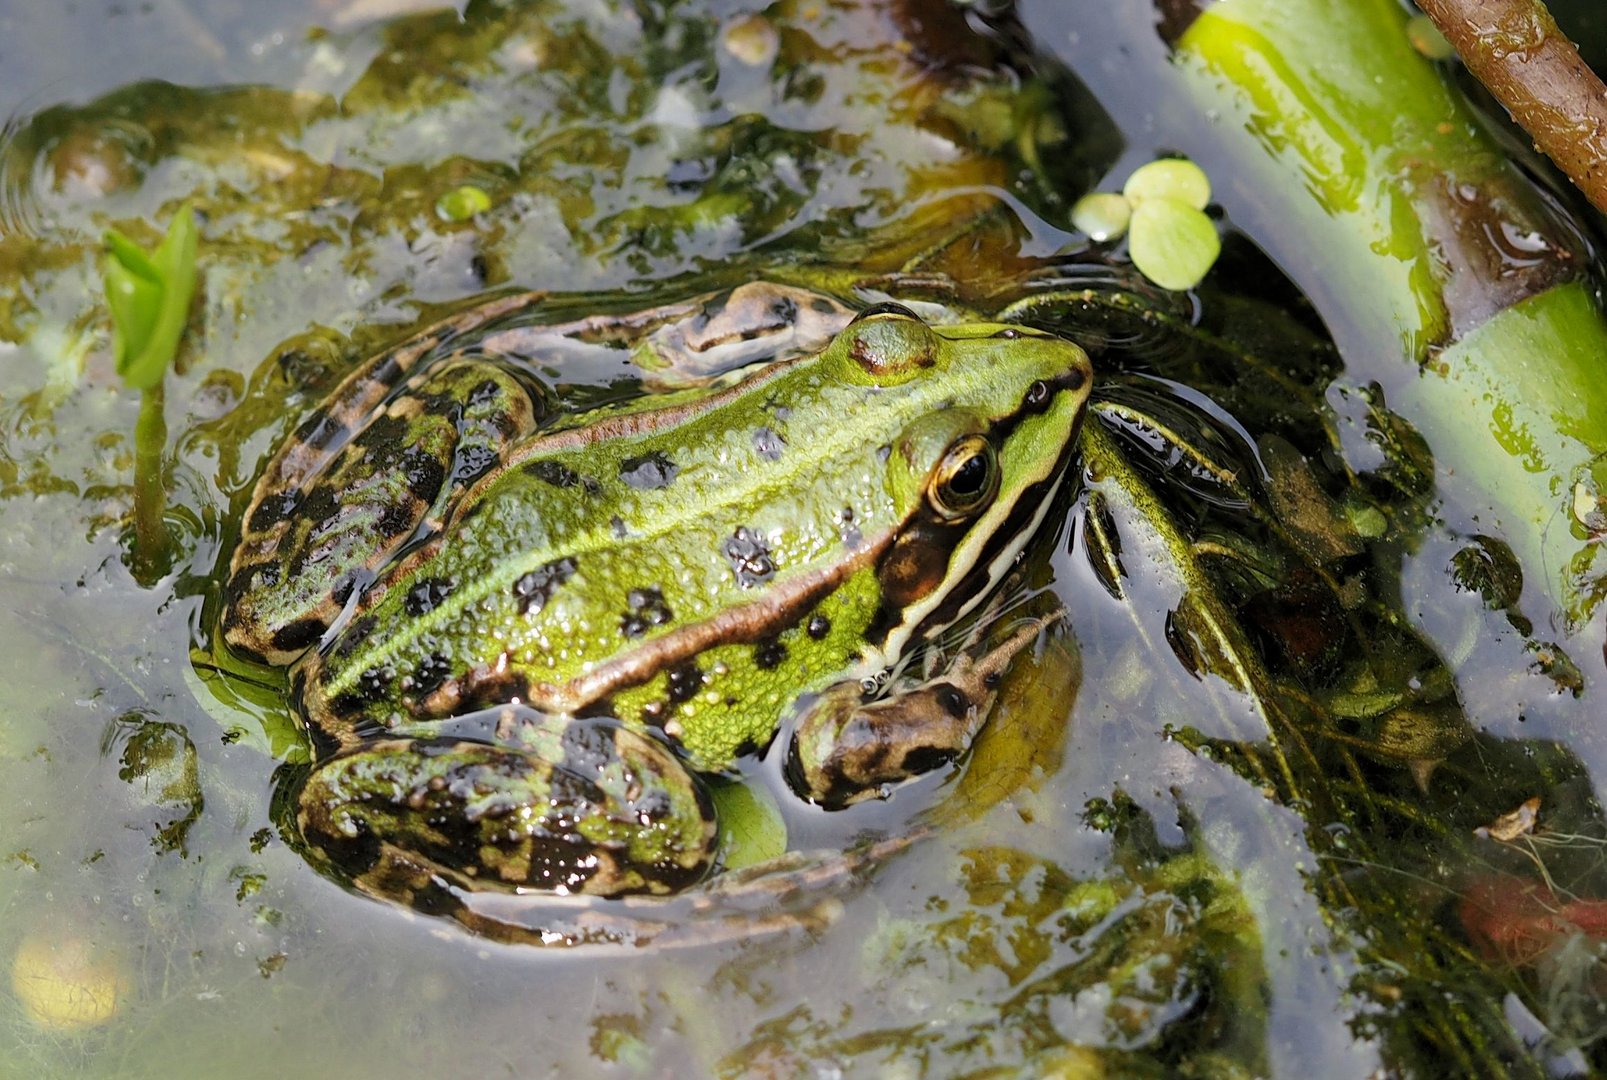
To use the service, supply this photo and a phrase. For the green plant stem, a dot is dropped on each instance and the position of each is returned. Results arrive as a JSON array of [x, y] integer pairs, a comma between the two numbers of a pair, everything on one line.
[[151, 541], [1401, 215]]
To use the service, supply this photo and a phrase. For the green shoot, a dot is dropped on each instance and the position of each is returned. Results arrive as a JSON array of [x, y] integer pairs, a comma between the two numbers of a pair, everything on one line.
[[149, 297]]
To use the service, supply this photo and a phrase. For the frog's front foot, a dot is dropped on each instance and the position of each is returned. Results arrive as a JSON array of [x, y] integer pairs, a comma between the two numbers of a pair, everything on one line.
[[566, 806], [849, 747]]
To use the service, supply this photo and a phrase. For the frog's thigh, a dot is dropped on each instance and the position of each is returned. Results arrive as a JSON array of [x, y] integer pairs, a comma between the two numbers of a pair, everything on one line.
[[303, 551], [594, 808]]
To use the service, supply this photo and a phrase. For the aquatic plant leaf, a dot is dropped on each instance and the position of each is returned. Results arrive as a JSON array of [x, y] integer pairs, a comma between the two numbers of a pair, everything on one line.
[[149, 297], [1169, 178], [1103, 215], [1172, 243], [751, 828]]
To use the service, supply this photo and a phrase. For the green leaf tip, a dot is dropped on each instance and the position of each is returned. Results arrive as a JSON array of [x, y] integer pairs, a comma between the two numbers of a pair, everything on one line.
[[149, 296]]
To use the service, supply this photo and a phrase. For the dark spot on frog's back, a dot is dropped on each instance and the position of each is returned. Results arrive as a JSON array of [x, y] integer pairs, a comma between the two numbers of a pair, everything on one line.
[[262, 575], [648, 471], [484, 393], [353, 637], [768, 444], [472, 463], [785, 311], [319, 430], [819, 626], [589, 747], [849, 531], [298, 635], [645, 608], [396, 520], [750, 558], [427, 595], [769, 654], [560, 475], [272, 510], [533, 590], [683, 683], [372, 684], [432, 671]]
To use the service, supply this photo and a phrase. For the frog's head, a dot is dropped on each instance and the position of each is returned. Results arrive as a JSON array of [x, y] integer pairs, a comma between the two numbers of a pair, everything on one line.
[[975, 468]]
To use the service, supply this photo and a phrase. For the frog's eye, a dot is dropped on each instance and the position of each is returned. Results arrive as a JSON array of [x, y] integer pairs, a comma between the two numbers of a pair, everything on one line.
[[965, 480], [887, 308]]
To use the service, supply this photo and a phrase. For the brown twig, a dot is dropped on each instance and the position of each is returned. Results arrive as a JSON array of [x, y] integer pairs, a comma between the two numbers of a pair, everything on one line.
[[1514, 48]]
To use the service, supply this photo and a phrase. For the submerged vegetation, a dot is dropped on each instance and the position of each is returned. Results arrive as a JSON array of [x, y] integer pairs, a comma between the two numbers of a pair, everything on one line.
[[1303, 780]]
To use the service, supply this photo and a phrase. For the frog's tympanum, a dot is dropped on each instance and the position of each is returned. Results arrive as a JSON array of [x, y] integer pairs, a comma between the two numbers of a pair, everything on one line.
[[519, 640]]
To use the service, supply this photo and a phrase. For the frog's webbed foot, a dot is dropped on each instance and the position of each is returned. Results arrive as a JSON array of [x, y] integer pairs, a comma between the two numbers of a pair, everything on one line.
[[846, 749], [574, 806]]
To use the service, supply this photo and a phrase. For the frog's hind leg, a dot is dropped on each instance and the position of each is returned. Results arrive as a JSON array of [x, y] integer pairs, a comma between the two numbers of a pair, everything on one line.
[[362, 394], [581, 806], [304, 549]]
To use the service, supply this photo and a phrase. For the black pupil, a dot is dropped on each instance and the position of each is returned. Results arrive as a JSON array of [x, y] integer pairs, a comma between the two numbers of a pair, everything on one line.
[[970, 478]]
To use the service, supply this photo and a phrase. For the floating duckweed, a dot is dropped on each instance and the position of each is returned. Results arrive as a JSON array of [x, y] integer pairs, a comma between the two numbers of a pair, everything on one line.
[[462, 203], [1169, 178], [1162, 206], [1427, 39], [1102, 215], [1172, 243], [68, 984]]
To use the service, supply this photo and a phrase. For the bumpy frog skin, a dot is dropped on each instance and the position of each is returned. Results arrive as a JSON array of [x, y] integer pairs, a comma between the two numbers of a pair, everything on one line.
[[542, 634]]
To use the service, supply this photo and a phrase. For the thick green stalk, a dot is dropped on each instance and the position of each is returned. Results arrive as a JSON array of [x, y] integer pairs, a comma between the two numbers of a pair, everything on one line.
[[1427, 238], [150, 493]]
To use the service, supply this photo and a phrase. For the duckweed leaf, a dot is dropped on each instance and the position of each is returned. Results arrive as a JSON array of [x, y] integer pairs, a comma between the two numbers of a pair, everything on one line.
[[149, 297], [1169, 178], [1172, 243], [462, 203], [1103, 215]]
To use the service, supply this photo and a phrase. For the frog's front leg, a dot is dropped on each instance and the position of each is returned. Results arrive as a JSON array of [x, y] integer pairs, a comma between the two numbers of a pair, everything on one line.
[[566, 806], [309, 541], [846, 749]]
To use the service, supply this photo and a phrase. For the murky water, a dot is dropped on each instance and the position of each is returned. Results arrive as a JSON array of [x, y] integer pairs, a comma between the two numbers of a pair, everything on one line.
[[1175, 878]]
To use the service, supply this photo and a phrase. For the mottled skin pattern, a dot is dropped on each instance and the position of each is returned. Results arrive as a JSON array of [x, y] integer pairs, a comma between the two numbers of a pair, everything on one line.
[[689, 569]]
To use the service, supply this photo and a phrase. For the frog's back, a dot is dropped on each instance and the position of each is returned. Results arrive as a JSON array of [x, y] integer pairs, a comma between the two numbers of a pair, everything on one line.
[[584, 565]]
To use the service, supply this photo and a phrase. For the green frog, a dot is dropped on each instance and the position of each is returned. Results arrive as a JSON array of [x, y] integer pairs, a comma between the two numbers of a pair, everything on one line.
[[521, 641]]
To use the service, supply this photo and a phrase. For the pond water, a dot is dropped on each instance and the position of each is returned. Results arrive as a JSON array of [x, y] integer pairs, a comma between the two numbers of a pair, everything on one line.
[[1141, 869]]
